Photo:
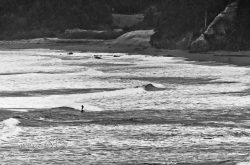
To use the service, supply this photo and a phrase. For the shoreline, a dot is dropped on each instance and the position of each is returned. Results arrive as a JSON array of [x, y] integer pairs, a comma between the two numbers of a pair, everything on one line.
[[240, 58]]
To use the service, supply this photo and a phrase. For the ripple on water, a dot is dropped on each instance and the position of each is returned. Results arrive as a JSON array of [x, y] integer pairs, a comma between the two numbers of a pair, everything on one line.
[[129, 143], [194, 93]]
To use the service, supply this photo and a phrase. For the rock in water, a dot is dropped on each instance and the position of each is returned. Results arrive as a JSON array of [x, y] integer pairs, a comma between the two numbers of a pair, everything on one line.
[[97, 57], [151, 87]]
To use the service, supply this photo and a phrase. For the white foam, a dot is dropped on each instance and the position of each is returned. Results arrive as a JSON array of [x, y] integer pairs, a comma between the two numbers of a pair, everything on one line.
[[159, 85], [243, 163], [88, 107], [92, 72], [9, 128], [107, 94], [73, 100], [11, 122]]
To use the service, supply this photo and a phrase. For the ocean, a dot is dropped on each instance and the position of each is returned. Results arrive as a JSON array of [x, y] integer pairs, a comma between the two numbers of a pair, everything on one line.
[[193, 112]]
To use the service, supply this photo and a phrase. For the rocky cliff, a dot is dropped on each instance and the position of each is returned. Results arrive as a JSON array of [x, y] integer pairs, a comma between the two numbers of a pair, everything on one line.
[[202, 25], [218, 35]]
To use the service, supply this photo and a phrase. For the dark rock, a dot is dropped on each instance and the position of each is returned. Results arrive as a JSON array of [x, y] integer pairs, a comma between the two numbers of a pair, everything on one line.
[[18, 117], [70, 53], [181, 18], [186, 41], [97, 57], [200, 45], [151, 87], [217, 34]]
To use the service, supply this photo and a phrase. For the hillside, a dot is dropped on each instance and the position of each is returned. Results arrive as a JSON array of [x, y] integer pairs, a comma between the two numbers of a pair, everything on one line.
[[48, 18], [177, 23], [181, 19]]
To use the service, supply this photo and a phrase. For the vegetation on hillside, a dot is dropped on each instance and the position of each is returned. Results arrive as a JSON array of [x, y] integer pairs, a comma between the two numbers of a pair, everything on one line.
[[172, 19], [179, 17], [34, 18]]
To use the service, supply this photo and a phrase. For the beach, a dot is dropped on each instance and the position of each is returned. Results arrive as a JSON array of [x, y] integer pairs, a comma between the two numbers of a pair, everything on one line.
[[239, 58], [197, 114]]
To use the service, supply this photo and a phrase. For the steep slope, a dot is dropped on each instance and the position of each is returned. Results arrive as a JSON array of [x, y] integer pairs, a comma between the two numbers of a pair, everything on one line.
[[183, 21]]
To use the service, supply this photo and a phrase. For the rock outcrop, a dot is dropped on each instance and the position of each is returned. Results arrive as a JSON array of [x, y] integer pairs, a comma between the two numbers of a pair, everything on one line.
[[218, 33], [180, 21], [152, 87], [203, 25], [134, 40]]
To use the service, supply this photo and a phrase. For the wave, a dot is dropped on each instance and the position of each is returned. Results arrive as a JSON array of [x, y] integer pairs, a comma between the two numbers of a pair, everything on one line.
[[107, 94], [243, 163], [87, 108], [93, 72], [91, 108], [48, 92], [9, 128]]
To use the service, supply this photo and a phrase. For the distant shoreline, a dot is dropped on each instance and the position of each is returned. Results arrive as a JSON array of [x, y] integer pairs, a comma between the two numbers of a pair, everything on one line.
[[241, 58]]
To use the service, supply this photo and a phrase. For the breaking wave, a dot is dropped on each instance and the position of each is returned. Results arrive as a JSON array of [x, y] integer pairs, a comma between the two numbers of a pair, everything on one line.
[[9, 128]]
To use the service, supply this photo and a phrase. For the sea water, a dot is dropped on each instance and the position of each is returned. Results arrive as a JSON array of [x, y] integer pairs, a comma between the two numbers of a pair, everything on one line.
[[38, 79]]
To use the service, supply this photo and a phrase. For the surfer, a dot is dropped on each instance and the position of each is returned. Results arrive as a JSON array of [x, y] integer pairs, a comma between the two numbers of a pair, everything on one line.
[[82, 109]]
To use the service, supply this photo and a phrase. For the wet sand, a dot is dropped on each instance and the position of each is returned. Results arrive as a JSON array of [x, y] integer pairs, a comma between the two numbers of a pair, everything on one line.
[[240, 58]]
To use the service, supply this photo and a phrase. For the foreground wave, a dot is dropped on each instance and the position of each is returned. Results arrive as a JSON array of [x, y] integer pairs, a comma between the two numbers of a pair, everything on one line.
[[9, 128], [71, 116]]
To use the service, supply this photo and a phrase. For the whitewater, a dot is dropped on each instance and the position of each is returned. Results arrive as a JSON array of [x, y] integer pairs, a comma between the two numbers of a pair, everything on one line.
[[198, 112]]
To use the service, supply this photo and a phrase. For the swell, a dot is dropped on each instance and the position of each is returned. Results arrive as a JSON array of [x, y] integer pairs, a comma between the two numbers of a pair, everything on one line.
[[39, 72], [9, 128], [70, 116], [54, 92], [180, 80]]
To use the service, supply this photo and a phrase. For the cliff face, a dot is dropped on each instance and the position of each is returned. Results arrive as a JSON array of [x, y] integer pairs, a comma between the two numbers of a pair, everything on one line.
[[208, 22], [218, 35], [180, 17]]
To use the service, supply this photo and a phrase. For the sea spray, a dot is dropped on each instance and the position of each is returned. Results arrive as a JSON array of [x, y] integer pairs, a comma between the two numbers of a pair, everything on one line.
[[9, 128]]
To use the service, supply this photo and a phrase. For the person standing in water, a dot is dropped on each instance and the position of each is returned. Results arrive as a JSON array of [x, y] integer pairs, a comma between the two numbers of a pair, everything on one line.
[[82, 109]]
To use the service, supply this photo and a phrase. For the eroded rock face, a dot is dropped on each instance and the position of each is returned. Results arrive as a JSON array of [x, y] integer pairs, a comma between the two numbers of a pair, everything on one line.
[[180, 18], [218, 33], [200, 45]]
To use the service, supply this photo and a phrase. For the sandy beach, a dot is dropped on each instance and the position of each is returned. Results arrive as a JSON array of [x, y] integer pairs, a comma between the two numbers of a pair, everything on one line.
[[239, 58]]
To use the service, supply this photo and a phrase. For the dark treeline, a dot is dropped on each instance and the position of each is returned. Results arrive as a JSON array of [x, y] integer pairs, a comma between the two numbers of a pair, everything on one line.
[[52, 15], [181, 16], [43, 17], [36, 18], [131, 6], [243, 24]]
